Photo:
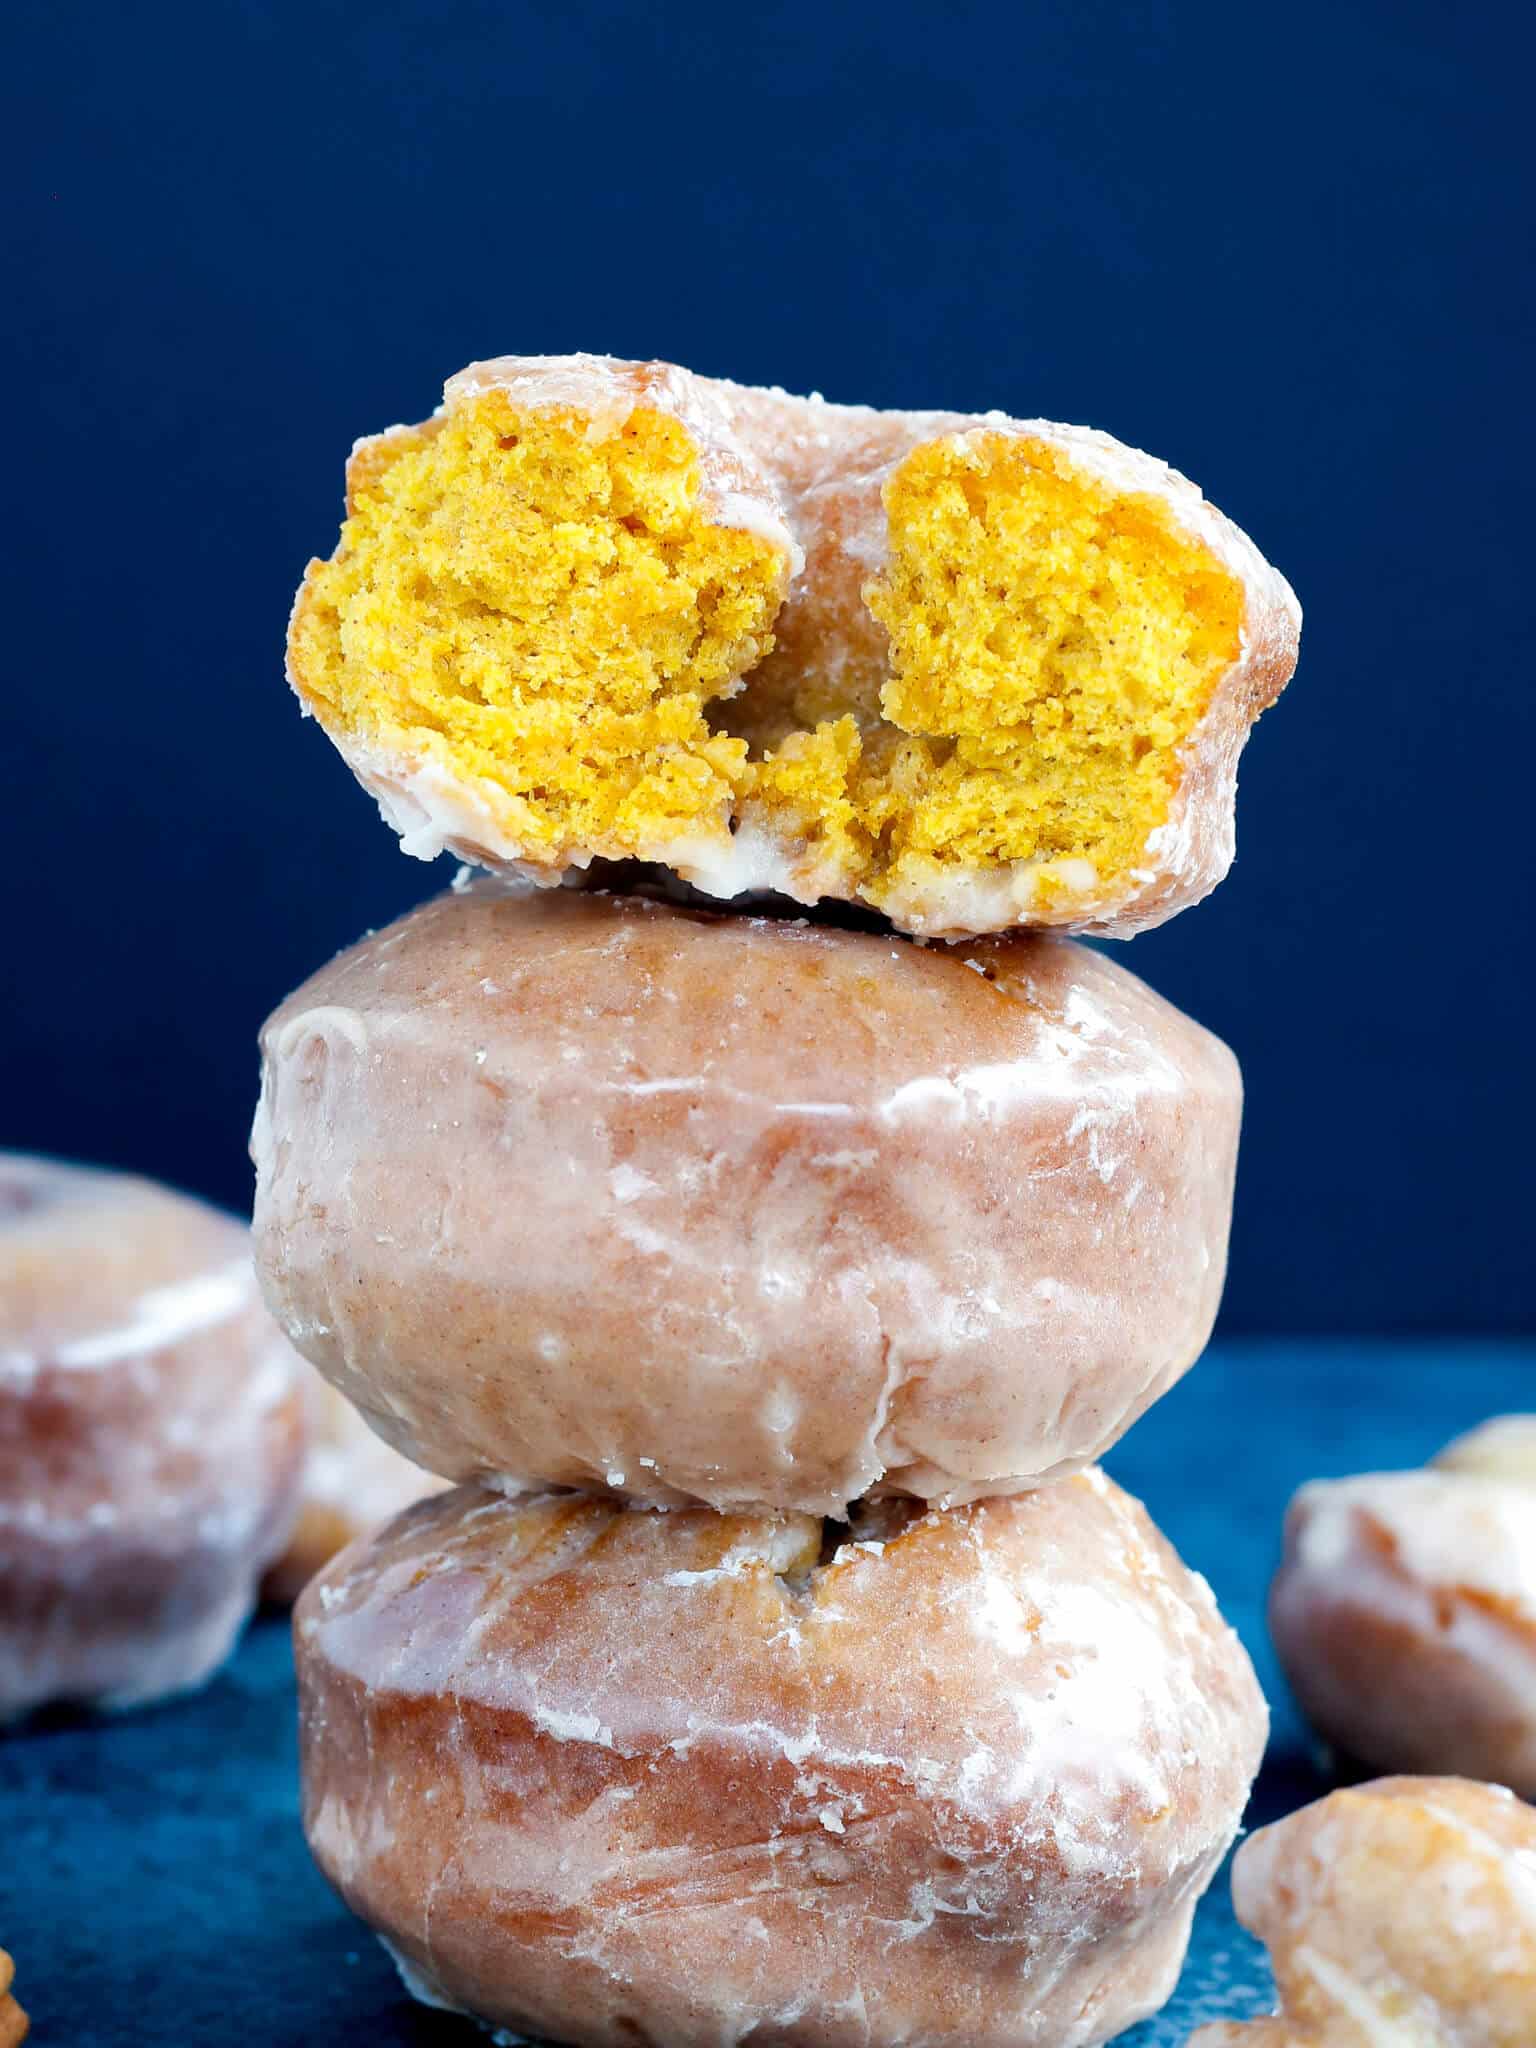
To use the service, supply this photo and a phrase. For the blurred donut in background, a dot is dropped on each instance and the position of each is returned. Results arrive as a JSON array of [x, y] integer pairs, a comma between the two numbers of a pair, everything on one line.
[[152, 1437], [1404, 1610]]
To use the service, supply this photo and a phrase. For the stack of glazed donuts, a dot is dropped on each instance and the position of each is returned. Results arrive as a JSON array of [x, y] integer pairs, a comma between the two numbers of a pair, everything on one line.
[[780, 1663]]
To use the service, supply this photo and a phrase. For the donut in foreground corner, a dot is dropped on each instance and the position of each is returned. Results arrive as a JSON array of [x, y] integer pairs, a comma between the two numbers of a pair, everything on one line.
[[1395, 1913], [973, 671], [605, 1774], [151, 1437], [568, 1189]]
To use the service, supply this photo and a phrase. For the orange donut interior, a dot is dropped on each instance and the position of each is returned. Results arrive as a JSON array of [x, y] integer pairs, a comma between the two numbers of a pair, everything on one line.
[[544, 609], [1050, 646]]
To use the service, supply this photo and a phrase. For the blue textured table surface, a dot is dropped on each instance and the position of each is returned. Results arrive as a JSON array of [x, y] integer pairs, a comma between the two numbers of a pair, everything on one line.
[[154, 1886]]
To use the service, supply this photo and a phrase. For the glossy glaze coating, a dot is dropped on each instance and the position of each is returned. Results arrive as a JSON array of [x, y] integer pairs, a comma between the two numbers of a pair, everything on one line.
[[151, 1436], [607, 1775], [582, 1190]]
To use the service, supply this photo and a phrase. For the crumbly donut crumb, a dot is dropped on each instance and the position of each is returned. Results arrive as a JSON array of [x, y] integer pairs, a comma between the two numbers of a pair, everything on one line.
[[546, 607], [1051, 647]]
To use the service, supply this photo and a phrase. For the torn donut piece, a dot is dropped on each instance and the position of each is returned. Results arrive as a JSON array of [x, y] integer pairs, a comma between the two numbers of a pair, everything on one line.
[[973, 672], [605, 1775], [535, 597], [571, 1189]]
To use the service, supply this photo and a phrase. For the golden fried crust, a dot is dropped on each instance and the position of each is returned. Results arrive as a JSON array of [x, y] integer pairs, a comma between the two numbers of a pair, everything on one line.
[[825, 775], [14, 2024], [151, 1437], [1400, 1911], [353, 1483], [584, 1190], [1404, 1612], [607, 1774]]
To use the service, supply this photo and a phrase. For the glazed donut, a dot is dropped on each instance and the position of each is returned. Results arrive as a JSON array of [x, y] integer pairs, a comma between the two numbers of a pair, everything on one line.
[[976, 672], [568, 1189], [1404, 1615], [353, 1483], [151, 1437], [607, 1775], [1401, 1912]]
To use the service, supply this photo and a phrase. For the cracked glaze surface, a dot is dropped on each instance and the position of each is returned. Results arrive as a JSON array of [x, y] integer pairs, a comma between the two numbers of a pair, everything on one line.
[[151, 1434], [614, 1776], [581, 1190]]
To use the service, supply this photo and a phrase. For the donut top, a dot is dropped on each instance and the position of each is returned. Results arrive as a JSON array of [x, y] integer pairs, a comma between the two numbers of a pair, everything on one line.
[[610, 396], [96, 1267], [1070, 1678]]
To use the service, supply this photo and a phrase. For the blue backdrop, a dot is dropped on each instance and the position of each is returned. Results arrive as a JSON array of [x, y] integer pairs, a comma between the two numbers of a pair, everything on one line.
[[1285, 246]]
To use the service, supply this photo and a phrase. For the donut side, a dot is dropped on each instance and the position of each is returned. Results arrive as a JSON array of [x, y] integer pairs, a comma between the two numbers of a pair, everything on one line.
[[600, 1774], [584, 1190], [152, 1434]]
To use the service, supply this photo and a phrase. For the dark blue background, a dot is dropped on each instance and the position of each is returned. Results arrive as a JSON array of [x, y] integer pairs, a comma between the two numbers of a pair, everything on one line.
[[1285, 246]]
